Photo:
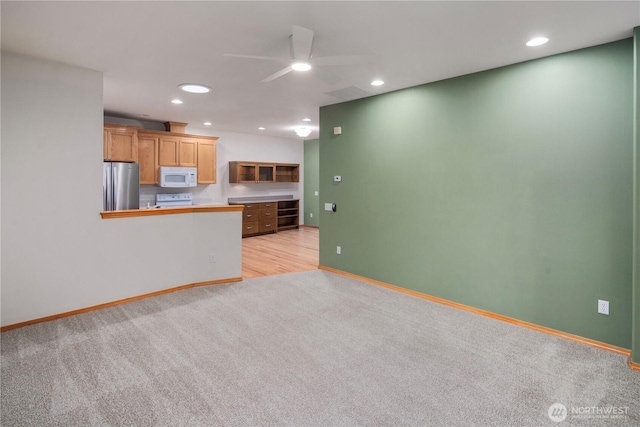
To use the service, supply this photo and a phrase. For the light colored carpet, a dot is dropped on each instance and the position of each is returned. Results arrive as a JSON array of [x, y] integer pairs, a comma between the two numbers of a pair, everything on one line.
[[302, 349]]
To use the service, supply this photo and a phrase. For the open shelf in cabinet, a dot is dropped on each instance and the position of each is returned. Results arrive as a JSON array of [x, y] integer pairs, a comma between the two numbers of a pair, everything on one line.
[[288, 214], [287, 173]]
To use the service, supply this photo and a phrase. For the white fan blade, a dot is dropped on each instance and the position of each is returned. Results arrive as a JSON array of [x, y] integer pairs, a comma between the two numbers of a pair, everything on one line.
[[326, 76], [266, 58], [277, 74], [301, 42]]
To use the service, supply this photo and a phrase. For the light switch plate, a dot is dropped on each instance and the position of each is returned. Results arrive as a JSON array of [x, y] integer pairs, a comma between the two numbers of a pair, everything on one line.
[[337, 178], [337, 130], [328, 207]]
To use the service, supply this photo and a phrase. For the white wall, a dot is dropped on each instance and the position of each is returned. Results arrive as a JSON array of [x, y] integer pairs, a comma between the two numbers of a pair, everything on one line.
[[58, 255], [234, 146]]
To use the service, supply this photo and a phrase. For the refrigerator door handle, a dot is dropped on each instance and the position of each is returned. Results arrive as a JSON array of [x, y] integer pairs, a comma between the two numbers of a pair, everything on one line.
[[109, 187]]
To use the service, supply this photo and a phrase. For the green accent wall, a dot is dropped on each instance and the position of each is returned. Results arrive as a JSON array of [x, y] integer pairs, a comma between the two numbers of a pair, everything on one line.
[[509, 190], [311, 182], [635, 348]]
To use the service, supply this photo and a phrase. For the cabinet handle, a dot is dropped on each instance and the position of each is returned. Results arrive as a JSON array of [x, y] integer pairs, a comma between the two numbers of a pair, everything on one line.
[[267, 213], [249, 228], [249, 216]]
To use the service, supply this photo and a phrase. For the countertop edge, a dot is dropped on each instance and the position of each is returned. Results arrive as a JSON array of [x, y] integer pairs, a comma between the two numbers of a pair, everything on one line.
[[274, 200], [169, 211]]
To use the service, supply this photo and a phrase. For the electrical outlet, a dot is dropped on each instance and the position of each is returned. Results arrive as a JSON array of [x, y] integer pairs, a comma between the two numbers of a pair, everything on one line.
[[212, 258], [338, 250], [603, 307]]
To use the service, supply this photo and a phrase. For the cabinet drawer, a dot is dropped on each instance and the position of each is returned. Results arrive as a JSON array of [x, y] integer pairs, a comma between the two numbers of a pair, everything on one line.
[[251, 227], [251, 207], [267, 225], [267, 214], [251, 215]]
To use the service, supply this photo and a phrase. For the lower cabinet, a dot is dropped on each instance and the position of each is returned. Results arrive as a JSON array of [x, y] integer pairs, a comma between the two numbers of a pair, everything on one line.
[[259, 218], [269, 217]]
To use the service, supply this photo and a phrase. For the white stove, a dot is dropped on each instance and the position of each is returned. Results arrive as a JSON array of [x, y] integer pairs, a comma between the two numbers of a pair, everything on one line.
[[174, 200]]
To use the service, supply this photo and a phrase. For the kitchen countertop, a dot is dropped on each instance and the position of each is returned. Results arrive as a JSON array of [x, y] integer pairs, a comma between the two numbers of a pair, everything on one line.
[[260, 199], [170, 211]]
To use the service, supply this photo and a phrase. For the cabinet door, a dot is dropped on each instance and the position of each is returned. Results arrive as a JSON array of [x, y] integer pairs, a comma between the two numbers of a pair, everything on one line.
[[206, 162], [168, 151], [148, 158], [188, 155], [266, 173], [243, 172], [121, 146]]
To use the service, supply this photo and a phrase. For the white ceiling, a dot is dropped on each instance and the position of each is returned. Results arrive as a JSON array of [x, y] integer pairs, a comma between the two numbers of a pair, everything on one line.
[[146, 49]]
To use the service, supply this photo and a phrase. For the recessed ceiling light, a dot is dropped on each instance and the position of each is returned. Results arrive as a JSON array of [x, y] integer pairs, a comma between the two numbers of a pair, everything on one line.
[[377, 83], [537, 41], [176, 101], [260, 128], [301, 66], [306, 120], [207, 123], [303, 131], [194, 88]]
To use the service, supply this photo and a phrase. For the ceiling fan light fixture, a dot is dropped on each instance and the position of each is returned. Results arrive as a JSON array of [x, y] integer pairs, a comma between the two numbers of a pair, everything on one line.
[[194, 88], [301, 66], [538, 41], [377, 82], [303, 132]]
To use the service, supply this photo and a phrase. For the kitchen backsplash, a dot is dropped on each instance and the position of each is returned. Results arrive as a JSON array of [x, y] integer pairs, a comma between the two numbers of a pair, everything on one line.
[[205, 194], [201, 194]]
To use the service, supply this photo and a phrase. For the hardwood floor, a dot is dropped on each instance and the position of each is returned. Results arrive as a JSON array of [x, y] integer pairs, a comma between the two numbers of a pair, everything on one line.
[[283, 252]]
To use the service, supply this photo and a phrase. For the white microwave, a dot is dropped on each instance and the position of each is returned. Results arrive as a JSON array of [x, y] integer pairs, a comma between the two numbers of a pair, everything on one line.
[[178, 177]]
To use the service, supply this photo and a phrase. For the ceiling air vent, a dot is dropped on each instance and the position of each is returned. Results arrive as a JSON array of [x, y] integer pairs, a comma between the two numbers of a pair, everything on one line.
[[349, 93]]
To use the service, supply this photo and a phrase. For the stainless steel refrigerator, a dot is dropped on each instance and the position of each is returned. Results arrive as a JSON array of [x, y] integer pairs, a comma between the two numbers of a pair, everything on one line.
[[120, 186]]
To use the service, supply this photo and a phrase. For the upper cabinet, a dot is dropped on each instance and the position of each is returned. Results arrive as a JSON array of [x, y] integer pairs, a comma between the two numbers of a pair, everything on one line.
[[178, 151], [148, 157], [120, 143], [206, 161], [153, 148], [262, 173], [287, 172]]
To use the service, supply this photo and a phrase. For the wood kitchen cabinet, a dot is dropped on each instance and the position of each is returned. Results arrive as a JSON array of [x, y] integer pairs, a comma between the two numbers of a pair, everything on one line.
[[154, 148], [261, 173], [148, 157], [259, 218], [286, 172], [206, 161], [247, 172], [178, 151], [262, 216], [288, 214], [120, 143]]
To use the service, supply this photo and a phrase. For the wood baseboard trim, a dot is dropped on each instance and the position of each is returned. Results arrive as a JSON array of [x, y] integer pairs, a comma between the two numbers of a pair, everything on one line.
[[633, 365], [118, 302], [544, 329]]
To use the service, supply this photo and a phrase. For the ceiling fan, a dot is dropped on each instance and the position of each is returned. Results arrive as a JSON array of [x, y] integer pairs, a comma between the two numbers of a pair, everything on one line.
[[302, 59]]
